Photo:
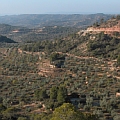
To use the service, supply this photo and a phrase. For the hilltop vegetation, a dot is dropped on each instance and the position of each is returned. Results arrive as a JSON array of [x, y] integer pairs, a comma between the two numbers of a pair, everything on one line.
[[114, 21], [111, 27]]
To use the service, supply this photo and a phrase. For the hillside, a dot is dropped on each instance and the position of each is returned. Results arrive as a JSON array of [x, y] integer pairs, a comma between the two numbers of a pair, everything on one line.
[[40, 80]]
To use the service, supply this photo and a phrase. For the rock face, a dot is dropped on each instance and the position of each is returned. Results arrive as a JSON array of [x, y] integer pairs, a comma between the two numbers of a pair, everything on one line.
[[111, 29], [117, 94]]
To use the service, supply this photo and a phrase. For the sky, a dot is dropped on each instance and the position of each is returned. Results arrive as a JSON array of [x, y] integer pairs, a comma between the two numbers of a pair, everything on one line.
[[14, 7]]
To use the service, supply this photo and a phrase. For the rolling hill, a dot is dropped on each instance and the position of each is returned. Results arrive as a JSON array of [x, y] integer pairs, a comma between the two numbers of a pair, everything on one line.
[[39, 20], [23, 34], [35, 27]]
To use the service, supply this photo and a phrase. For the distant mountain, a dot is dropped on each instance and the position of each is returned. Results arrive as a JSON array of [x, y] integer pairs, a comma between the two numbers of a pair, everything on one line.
[[4, 39], [40, 20]]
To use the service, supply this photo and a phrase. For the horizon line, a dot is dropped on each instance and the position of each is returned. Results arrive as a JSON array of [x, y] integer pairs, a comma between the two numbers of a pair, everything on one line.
[[58, 13]]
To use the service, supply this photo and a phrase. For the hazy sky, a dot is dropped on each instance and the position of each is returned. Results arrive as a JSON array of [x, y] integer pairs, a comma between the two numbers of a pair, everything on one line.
[[59, 6]]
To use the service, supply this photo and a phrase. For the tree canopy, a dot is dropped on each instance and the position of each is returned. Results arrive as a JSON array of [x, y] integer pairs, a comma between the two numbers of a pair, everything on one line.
[[68, 112]]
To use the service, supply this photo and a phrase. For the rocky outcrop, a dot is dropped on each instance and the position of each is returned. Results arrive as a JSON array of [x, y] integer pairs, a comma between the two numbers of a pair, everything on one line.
[[104, 28], [112, 29]]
